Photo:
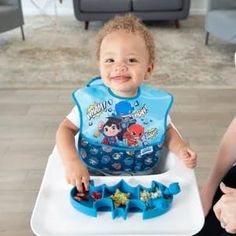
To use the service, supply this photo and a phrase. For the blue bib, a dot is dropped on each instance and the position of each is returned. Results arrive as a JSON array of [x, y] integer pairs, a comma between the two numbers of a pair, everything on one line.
[[120, 134]]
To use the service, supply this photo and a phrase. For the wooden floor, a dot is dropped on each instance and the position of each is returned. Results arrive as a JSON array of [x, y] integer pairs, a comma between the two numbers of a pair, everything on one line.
[[28, 122]]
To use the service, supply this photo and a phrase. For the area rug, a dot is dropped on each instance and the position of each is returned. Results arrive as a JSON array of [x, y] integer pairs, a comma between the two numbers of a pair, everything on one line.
[[59, 53]]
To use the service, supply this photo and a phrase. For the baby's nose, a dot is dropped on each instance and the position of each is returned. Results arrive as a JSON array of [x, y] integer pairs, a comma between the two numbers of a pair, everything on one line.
[[121, 67]]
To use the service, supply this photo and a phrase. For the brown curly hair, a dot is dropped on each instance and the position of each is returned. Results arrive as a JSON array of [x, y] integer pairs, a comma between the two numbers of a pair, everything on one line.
[[130, 24]]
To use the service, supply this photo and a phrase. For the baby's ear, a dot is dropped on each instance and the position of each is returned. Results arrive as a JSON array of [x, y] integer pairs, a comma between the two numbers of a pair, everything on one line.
[[150, 68], [149, 71]]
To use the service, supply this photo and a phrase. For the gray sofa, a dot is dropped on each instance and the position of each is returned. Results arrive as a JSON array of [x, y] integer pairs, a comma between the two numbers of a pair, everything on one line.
[[147, 10], [11, 16]]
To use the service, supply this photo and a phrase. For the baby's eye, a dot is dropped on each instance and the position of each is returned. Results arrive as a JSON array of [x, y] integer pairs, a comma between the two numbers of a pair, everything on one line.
[[109, 60], [132, 60]]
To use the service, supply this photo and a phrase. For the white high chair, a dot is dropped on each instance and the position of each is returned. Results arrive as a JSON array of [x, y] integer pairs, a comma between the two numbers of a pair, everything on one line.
[[53, 214]]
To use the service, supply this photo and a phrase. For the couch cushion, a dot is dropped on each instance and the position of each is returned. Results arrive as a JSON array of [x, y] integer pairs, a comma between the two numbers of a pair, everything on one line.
[[105, 6], [157, 5], [7, 9]]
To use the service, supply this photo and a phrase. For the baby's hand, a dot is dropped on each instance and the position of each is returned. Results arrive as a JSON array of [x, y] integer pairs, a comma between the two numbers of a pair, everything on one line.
[[188, 156], [76, 174]]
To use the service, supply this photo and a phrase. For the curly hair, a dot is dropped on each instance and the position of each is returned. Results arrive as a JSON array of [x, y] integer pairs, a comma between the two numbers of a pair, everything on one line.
[[130, 24]]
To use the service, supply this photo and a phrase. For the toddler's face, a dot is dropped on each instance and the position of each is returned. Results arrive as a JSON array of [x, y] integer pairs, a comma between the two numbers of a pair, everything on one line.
[[124, 62]]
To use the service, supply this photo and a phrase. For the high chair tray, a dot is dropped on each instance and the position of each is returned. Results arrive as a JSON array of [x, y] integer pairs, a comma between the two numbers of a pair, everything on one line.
[[53, 214]]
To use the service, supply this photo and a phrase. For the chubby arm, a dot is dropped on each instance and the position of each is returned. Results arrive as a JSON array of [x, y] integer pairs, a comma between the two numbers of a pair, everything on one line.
[[177, 145], [226, 157], [76, 172]]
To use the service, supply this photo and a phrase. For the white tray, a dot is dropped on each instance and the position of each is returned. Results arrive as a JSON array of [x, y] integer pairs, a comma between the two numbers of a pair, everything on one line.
[[53, 214]]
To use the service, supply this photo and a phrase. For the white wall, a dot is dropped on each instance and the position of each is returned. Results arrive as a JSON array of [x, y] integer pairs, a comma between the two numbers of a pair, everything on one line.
[[66, 8], [198, 7], [47, 6]]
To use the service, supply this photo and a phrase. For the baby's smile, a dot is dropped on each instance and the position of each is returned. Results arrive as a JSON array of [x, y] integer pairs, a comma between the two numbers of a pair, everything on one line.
[[121, 78]]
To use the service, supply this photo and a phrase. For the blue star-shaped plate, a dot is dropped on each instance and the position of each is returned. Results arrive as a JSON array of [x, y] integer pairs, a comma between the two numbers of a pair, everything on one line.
[[152, 202]]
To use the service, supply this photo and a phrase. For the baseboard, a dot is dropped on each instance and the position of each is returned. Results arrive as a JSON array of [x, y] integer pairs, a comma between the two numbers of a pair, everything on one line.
[[197, 11]]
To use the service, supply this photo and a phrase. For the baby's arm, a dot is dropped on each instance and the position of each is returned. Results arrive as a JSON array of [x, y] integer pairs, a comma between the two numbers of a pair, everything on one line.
[[226, 157], [176, 144], [76, 172]]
